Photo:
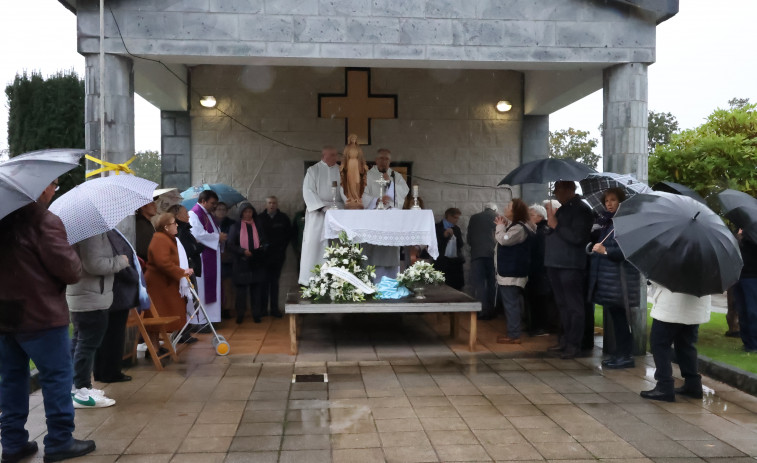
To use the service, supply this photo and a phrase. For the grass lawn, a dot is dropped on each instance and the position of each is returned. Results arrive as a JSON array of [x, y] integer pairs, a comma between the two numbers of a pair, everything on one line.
[[712, 342]]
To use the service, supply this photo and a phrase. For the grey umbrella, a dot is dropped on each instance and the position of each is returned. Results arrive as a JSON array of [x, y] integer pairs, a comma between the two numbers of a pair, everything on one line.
[[24, 177], [678, 189]]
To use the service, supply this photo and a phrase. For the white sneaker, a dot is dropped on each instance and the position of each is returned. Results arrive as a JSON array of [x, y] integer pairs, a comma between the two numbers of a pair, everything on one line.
[[91, 398]]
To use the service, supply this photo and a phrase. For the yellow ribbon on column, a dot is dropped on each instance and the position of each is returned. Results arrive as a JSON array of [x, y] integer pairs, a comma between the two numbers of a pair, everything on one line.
[[109, 166]]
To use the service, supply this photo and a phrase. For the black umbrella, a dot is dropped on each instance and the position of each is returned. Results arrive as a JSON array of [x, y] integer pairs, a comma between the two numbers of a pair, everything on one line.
[[678, 243], [678, 189], [741, 209], [547, 170]]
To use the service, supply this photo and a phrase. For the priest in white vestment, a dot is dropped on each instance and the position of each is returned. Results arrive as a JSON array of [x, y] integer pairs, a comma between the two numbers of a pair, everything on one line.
[[385, 258], [207, 233], [316, 190]]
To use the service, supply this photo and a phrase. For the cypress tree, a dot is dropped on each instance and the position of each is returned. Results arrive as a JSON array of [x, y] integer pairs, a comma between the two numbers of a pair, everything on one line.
[[47, 113]]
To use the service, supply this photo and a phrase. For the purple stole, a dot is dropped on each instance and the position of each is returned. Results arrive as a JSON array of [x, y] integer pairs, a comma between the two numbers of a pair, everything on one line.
[[209, 260]]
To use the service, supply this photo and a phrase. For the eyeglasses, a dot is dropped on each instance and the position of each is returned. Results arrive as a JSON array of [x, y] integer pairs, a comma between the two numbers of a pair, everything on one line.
[[57, 187]]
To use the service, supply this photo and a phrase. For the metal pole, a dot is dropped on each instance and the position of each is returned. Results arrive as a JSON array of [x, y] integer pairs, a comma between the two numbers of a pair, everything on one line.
[[103, 155]]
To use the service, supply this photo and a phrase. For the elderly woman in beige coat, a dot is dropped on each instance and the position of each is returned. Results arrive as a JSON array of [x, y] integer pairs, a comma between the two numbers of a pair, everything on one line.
[[675, 321]]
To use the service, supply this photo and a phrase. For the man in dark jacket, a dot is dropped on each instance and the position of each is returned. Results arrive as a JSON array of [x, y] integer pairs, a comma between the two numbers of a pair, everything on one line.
[[746, 294], [450, 240], [565, 260], [481, 239], [36, 264], [278, 229]]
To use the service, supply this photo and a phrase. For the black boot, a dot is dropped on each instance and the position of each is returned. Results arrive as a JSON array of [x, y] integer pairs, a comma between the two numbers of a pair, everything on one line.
[[29, 449], [691, 388], [620, 362], [659, 394]]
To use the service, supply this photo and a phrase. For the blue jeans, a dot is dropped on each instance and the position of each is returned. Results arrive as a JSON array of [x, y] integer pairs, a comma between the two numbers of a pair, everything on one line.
[[50, 352], [512, 299], [746, 292], [89, 331], [484, 284]]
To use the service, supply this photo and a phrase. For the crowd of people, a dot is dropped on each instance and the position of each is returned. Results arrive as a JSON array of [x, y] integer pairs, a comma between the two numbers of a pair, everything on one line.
[[548, 264]]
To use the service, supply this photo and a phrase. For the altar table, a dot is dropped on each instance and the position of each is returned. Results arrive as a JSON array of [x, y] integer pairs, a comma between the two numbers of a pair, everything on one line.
[[391, 227], [438, 299]]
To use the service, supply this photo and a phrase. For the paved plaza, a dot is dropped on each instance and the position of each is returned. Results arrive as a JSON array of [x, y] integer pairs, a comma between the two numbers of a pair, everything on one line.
[[399, 389]]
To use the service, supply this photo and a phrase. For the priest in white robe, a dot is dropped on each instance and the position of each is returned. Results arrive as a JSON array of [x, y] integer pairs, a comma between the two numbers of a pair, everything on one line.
[[207, 233], [386, 259], [316, 190]]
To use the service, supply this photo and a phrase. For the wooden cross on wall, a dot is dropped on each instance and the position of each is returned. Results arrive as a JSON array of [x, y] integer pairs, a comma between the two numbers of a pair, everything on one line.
[[357, 105]]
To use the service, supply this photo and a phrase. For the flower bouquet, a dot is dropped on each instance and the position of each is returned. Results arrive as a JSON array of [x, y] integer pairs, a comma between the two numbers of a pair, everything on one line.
[[342, 278], [418, 276]]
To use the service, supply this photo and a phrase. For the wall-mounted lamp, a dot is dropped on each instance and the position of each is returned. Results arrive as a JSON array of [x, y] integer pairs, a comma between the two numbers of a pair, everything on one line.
[[504, 106], [208, 101]]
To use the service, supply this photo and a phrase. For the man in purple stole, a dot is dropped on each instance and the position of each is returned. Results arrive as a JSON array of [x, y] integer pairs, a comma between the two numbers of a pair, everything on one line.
[[205, 232]]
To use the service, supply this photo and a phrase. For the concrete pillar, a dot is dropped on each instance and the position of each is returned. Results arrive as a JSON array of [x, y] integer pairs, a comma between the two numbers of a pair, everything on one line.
[[119, 115], [534, 145], [625, 151], [625, 120], [176, 154]]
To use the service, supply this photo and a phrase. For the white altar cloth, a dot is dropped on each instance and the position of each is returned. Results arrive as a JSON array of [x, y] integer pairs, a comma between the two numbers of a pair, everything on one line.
[[393, 227]]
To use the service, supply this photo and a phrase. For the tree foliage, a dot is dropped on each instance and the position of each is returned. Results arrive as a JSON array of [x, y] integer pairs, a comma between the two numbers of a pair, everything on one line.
[[47, 113], [147, 165], [721, 153], [573, 144], [660, 127]]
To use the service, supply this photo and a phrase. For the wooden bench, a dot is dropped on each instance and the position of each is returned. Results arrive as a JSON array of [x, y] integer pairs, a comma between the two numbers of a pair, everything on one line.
[[438, 299]]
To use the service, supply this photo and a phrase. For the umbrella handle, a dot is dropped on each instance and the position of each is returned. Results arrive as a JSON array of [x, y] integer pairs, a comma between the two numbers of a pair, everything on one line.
[[590, 245], [189, 280]]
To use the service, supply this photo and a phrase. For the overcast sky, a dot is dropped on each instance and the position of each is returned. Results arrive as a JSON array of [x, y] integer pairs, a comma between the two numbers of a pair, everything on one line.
[[705, 56]]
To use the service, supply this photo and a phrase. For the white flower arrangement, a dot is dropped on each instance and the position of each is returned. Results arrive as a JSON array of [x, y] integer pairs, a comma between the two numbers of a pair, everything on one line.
[[420, 273], [324, 286]]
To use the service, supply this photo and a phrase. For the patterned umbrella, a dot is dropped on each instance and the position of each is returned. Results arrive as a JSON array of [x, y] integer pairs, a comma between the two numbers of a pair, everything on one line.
[[23, 178], [226, 194], [98, 205], [166, 197], [594, 185]]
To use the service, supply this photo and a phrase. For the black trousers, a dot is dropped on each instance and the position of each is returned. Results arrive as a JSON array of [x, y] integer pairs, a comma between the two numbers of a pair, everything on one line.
[[568, 288], [453, 271], [621, 330], [255, 290], [683, 338], [270, 288], [111, 351]]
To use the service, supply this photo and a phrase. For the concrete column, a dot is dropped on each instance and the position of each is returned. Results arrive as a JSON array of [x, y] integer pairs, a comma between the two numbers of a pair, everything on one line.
[[176, 145], [119, 106], [625, 151], [534, 145], [625, 120], [119, 115]]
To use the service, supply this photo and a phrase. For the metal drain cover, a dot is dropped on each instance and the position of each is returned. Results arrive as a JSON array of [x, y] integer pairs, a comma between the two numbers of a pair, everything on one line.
[[319, 378]]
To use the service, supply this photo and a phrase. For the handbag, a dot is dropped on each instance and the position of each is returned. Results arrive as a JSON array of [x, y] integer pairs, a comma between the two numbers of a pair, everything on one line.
[[125, 289]]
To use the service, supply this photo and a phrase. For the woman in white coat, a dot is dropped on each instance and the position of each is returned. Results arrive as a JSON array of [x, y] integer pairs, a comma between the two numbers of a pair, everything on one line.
[[675, 321]]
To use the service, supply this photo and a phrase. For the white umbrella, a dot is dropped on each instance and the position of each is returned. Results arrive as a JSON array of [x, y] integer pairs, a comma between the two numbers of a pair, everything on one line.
[[24, 178], [98, 205]]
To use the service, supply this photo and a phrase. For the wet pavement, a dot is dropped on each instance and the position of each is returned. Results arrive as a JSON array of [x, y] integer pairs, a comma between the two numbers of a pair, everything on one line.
[[399, 389]]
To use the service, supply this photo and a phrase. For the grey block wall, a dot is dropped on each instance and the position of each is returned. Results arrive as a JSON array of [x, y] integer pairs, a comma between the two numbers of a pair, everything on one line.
[[176, 149], [564, 31]]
